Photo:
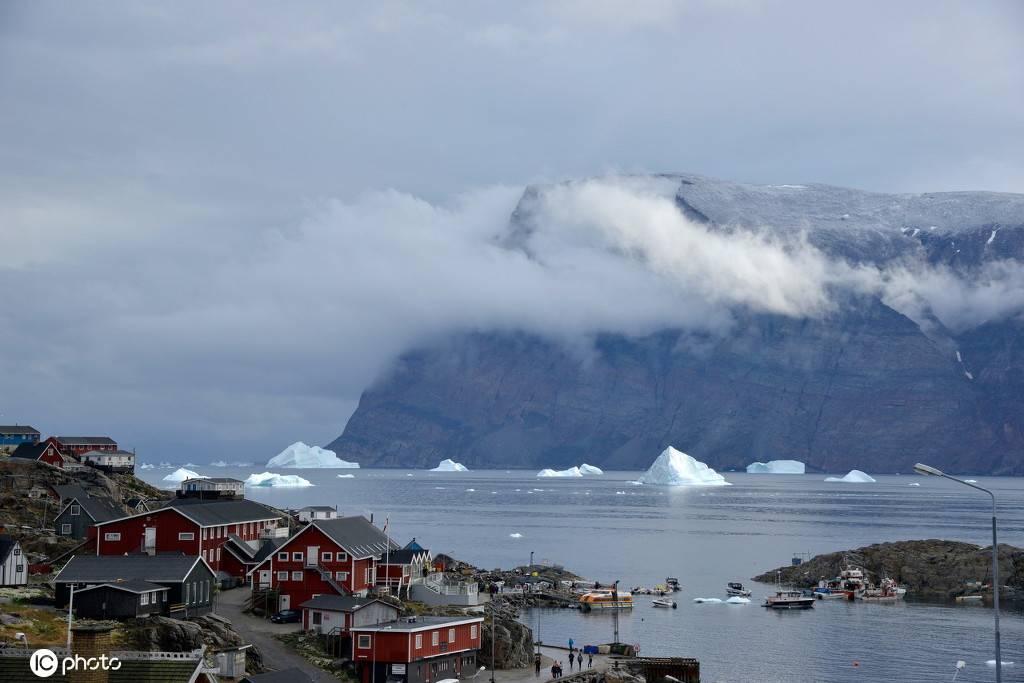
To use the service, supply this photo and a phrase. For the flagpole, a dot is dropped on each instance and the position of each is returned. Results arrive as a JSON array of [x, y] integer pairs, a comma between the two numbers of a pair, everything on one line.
[[387, 555]]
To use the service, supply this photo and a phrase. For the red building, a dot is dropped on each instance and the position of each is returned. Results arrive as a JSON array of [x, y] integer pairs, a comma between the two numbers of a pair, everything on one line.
[[327, 556], [46, 452], [417, 649], [190, 526], [77, 445], [397, 569]]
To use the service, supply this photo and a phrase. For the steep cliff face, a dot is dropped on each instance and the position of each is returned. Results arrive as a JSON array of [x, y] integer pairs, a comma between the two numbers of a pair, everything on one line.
[[864, 386]]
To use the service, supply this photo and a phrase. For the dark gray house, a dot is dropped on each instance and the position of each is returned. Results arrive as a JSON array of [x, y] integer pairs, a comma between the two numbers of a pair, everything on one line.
[[121, 600], [81, 511], [190, 582]]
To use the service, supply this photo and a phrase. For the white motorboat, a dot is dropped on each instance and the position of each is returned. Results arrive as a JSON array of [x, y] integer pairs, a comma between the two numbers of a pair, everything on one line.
[[664, 602], [735, 588]]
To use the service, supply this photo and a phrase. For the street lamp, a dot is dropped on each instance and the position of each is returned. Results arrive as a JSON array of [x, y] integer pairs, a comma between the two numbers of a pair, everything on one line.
[[931, 471]]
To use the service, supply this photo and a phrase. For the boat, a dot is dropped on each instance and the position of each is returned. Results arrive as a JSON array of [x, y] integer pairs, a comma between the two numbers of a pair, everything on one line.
[[736, 588], [602, 599], [788, 599], [664, 602], [823, 592], [673, 584], [969, 598]]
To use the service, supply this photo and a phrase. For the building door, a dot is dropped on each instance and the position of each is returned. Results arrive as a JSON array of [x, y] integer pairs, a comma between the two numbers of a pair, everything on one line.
[[264, 578], [284, 601], [150, 546], [313, 556]]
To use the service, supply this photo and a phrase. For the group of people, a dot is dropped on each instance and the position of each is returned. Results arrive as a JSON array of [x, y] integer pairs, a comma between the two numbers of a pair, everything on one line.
[[575, 658]]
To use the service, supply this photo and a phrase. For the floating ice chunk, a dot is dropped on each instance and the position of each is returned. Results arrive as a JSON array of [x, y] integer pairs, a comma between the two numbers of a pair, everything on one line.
[[571, 472], [737, 600], [181, 474], [620, 493], [776, 467], [973, 481], [991, 239], [146, 466], [590, 469], [913, 483], [448, 465], [218, 463], [853, 477], [991, 663], [272, 479], [301, 456], [471, 490], [698, 600], [515, 535], [166, 466], [635, 482], [346, 476], [675, 468]]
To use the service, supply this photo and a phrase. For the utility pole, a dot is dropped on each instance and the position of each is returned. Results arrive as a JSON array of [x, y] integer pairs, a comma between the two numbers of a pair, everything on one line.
[[615, 610]]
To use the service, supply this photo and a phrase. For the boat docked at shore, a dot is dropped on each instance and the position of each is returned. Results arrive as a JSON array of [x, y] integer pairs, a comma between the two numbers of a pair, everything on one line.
[[602, 599], [788, 599]]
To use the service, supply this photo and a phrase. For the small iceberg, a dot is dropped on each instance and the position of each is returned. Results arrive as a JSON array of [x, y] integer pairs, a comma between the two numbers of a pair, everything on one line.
[[711, 600], [448, 465], [991, 663], [975, 481], [515, 535], [222, 463], [571, 472], [301, 456], [675, 468], [181, 474], [272, 479], [913, 483], [346, 476], [853, 477], [218, 463], [776, 467], [737, 600], [166, 466], [586, 469], [146, 466]]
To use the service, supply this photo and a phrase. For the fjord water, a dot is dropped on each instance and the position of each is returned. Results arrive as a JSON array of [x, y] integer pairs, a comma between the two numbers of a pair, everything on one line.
[[604, 528]]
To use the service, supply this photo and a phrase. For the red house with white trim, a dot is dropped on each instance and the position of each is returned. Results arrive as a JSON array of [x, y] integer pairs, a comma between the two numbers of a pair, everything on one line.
[[327, 556], [45, 452], [417, 649], [77, 445], [190, 526]]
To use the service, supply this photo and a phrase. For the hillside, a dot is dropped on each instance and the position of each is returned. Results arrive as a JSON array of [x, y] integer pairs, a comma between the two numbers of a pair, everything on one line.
[[871, 384]]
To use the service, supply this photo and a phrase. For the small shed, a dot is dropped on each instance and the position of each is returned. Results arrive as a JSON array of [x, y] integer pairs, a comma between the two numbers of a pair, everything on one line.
[[120, 600]]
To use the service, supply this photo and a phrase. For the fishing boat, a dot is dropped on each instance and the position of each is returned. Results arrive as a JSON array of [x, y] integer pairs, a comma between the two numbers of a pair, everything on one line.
[[673, 584], [664, 602], [602, 599], [788, 599], [736, 588]]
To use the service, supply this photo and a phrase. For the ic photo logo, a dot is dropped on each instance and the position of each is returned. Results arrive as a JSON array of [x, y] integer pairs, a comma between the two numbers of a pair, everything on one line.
[[44, 663]]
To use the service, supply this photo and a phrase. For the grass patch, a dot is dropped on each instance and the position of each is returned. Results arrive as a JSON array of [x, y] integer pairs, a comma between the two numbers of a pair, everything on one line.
[[309, 648], [42, 627]]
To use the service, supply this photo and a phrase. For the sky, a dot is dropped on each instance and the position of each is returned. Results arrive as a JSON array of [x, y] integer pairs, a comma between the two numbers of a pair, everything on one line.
[[219, 222]]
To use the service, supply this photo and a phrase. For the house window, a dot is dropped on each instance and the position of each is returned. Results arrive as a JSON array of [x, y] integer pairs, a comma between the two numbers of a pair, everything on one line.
[[17, 551], [163, 596], [297, 556], [20, 568], [186, 536], [112, 536], [326, 556], [204, 534], [144, 599], [419, 641], [282, 576], [317, 618], [472, 631], [282, 557], [435, 638], [76, 510], [451, 635], [296, 576], [341, 576], [206, 591], [364, 642], [342, 557], [65, 529]]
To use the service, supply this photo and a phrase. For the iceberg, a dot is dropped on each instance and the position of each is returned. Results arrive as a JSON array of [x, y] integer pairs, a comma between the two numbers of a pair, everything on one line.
[[218, 463], [346, 476], [590, 469], [776, 467], [272, 479], [301, 456], [515, 535], [737, 600], [448, 465], [571, 472], [973, 481], [853, 477], [146, 466], [675, 468], [711, 600], [181, 474]]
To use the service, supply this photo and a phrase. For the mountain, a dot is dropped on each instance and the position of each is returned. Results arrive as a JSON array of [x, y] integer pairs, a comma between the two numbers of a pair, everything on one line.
[[873, 385]]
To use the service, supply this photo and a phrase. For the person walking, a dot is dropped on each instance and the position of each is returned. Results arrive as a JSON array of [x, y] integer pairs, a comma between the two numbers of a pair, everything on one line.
[[554, 670], [572, 659], [590, 660], [536, 666]]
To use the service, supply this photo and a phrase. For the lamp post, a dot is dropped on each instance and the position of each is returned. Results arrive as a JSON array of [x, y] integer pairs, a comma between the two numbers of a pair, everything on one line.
[[931, 471], [531, 559]]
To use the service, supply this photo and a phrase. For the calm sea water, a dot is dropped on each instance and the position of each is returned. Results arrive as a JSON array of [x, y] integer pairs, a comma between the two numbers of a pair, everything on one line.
[[604, 528]]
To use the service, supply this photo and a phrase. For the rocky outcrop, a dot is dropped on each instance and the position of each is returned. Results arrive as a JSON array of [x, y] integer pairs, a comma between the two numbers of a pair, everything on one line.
[[931, 569], [513, 646], [175, 635]]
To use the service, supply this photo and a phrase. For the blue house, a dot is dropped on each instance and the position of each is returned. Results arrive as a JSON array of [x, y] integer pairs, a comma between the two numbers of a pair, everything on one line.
[[12, 436]]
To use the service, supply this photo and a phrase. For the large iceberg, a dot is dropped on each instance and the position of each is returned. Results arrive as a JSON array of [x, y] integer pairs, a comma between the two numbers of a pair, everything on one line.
[[776, 467], [675, 468], [590, 469], [571, 472], [272, 479], [853, 477], [181, 474], [448, 465], [301, 456]]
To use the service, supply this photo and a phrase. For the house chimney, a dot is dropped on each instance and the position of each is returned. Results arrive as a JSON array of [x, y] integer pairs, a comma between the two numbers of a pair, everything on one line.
[[90, 640]]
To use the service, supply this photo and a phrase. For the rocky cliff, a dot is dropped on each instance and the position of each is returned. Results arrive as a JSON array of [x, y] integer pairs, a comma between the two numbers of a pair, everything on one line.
[[867, 385]]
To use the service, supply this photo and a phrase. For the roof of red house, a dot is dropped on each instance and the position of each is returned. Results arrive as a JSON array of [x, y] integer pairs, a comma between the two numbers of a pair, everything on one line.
[[86, 440], [340, 603], [30, 451], [213, 512], [356, 534], [418, 624]]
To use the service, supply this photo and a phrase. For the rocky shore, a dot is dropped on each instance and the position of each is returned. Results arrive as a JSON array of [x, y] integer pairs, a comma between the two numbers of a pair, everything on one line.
[[930, 569]]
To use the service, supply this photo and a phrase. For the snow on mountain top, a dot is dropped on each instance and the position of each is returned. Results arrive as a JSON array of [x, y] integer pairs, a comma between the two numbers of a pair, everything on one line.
[[590, 469], [776, 467], [853, 477], [301, 456], [272, 479], [571, 472], [448, 465], [181, 474], [675, 468]]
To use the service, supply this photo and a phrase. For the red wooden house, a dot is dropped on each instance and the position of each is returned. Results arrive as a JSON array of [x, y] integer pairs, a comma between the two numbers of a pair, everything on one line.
[[190, 526], [327, 556], [398, 569], [417, 649], [45, 452], [77, 445]]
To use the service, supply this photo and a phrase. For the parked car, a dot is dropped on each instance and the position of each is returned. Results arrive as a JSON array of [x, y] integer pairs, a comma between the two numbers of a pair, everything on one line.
[[287, 616]]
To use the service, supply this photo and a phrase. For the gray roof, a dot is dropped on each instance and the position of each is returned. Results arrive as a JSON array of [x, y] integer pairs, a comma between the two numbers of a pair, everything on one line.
[[160, 568], [403, 555], [267, 549], [246, 549], [99, 509], [65, 491], [18, 429], [418, 623], [217, 512], [318, 508], [339, 603], [216, 480], [356, 534], [108, 453], [6, 546], [86, 440], [130, 585], [31, 451]]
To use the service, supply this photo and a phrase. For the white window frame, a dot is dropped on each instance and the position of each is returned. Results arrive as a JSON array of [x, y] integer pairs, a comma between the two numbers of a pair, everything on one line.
[[435, 638], [341, 576], [297, 576], [451, 636], [112, 536], [144, 599], [419, 641], [342, 556], [283, 556], [360, 640], [282, 576], [76, 510], [65, 529], [186, 536], [297, 556], [472, 631], [326, 556]]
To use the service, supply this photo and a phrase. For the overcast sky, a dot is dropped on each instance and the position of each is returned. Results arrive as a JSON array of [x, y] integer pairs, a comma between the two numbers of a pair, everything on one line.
[[220, 221]]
